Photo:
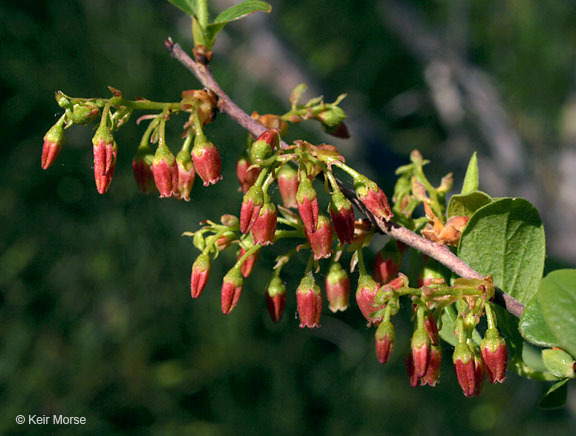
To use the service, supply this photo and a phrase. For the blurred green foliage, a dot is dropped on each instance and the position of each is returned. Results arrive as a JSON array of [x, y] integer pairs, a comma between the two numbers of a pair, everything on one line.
[[95, 312]]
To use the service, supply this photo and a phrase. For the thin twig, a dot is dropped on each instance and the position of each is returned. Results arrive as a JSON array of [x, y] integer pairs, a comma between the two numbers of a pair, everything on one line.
[[441, 253]]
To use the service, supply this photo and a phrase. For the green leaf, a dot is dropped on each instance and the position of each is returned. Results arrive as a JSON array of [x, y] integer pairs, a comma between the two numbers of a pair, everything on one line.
[[471, 179], [506, 239], [550, 317], [242, 9], [467, 204], [188, 6], [234, 13], [558, 362], [297, 93], [556, 396]]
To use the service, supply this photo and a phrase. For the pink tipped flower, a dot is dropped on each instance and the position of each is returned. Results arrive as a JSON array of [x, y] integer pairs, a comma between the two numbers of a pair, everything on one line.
[[321, 240], [264, 227], [142, 166], [231, 290], [337, 288], [276, 298], [264, 145], [288, 185], [165, 171], [342, 215], [248, 265], [307, 203], [309, 302], [246, 176], [387, 265], [384, 341], [200, 273], [433, 371], [185, 175], [53, 141], [105, 152], [495, 355], [251, 205], [365, 294], [464, 365], [420, 346], [373, 198], [206, 160]]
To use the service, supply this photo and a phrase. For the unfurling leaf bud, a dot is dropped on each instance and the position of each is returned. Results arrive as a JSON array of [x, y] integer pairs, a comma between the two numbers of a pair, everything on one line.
[[373, 198], [288, 184], [246, 176], [200, 273], [248, 264], [495, 355], [307, 203], [309, 302], [467, 370], [420, 346], [365, 294], [142, 166], [387, 264], [264, 146], [342, 215], [231, 290], [165, 171], [251, 205], [84, 113], [264, 227], [276, 298], [321, 240], [385, 337], [185, 175], [53, 141], [206, 160], [337, 288], [105, 151]]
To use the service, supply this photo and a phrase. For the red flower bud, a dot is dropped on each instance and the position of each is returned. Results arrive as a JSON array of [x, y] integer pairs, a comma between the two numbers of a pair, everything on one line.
[[165, 171], [288, 184], [248, 265], [276, 298], [384, 341], [264, 227], [339, 131], [420, 346], [433, 371], [464, 365], [185, 175], [373, 198], [387, 265], [206, 160], [247, 177], [231, 290], [342, 215], [309, 302], [200, 273], [495, 355], [105, 151], [365, 294], [53, 141], [142, 166], [307, 203], [225, 240], [321, 240], [337, 288], [411, 373], [251, 205], [264, 146]]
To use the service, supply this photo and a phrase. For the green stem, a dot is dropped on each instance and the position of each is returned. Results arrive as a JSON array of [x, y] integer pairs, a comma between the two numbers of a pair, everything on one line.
[[202, 8], [162, 133], [198, 124], [355, 174], [187, 143], [246, 255], [146, 136], [284, 234], [490, 317], [212, 240], [309, 265], [361, 265], [105, 112], [269, 179], [332, 180]]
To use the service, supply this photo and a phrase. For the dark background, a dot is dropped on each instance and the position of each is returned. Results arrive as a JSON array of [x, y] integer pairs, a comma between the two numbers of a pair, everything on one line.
[[95, 312]]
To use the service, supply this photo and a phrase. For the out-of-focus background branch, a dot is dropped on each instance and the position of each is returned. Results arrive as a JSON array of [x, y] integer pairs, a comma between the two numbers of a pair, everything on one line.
[[94, 300]]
